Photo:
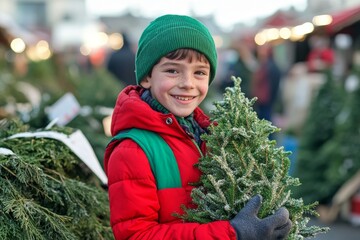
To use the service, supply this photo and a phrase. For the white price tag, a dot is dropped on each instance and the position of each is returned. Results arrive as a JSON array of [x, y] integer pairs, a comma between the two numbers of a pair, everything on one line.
[[64, 110]]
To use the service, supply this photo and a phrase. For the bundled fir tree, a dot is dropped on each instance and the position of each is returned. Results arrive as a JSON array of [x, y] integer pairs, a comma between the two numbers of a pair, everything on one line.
[[338, 159], [46, 191], [241, 162], [317, 131]]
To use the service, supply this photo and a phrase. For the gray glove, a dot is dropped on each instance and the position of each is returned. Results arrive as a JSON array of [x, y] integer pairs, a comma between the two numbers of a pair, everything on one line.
[[249, 227]]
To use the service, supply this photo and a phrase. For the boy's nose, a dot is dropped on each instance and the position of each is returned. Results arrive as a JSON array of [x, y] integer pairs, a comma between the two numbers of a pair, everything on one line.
[[187, 81]]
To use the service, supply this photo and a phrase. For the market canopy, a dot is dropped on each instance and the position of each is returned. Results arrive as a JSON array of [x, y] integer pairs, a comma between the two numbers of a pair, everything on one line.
[[343, 19], [280, 19]]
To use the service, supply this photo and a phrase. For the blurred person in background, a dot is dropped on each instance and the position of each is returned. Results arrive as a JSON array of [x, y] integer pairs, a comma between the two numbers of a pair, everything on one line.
[[243, 66], [121, 63], [321, 56], [265, 82]]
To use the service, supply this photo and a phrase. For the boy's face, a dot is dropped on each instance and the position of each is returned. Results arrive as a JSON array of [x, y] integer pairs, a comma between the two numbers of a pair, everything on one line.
[[179, 85]]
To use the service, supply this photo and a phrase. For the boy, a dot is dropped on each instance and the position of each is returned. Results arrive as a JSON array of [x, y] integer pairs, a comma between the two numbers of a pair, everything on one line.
[[175, 63]]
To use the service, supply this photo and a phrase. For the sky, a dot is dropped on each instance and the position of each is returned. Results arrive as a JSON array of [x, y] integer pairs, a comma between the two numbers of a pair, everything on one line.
[[226, 12]]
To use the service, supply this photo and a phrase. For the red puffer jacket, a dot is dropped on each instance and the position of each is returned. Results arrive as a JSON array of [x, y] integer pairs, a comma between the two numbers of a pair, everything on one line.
[[138, 209]]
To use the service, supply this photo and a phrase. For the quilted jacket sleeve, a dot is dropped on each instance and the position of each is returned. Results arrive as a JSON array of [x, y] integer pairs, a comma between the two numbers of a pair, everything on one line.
[[134, 203]]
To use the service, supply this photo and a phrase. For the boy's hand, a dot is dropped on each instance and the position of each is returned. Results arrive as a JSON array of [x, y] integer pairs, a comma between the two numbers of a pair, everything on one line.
[[248, 226]]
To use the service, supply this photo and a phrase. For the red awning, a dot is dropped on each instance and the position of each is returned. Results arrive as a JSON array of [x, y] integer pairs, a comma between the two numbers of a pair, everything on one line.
[[279, 19], [343, 19]]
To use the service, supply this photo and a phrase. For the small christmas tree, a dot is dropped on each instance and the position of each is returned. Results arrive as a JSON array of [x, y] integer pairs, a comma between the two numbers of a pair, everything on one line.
[[241, 162]]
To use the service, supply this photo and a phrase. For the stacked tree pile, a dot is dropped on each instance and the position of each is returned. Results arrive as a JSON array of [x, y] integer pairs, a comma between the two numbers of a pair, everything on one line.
[[47, 192]]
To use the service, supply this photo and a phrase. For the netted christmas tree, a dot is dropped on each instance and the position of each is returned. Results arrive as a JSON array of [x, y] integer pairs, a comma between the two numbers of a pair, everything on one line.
[[47, 192], [338, 159], [241, 162], [319, 128]]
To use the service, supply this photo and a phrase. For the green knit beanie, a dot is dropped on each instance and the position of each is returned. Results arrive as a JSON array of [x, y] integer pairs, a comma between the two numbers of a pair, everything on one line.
[[169, 33]]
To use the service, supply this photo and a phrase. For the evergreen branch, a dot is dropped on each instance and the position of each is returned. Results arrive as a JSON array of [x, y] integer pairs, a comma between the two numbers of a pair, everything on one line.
[[217, 186], [32, 216]]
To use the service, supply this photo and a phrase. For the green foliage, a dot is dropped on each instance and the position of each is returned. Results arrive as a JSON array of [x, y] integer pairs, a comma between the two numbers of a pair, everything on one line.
[[242, 161], [339, 157], [95, 90], [325, 167], [47, 192], [9, 92], [45, 76], [319, 125]]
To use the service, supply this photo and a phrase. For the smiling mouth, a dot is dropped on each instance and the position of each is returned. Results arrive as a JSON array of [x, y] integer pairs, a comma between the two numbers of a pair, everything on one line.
[[183, 98]]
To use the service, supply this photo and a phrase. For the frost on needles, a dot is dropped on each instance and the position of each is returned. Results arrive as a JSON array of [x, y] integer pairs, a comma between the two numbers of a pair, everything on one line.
[[241, 162]]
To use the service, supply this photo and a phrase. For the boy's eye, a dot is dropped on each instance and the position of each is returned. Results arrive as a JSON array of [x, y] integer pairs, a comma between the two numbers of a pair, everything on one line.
[[203, 73], [171, 71]]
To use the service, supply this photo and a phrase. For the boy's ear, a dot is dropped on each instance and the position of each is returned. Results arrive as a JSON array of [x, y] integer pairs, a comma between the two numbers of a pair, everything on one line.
[[145, 83]]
